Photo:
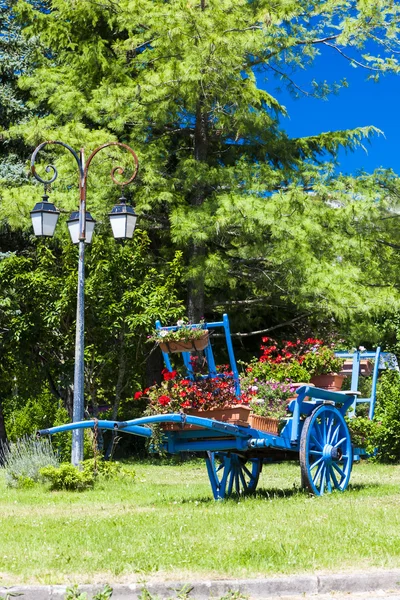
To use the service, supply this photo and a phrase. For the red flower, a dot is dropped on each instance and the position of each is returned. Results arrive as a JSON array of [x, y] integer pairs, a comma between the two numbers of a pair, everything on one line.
[[138, 395], [164, 400], [185, 382], [186, 404], [182, 394], [169, 375]]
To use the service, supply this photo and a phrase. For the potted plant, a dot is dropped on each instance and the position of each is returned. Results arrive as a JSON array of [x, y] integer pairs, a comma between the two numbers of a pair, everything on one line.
[[182, 337], [323, 366], [212, 398], [268, 401]]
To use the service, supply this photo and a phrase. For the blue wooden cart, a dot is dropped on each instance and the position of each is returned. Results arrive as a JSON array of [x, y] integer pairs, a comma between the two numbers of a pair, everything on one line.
[[314, 432]]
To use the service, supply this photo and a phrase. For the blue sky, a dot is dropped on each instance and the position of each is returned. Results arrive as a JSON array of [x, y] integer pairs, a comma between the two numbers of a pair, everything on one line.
[[362, 103]]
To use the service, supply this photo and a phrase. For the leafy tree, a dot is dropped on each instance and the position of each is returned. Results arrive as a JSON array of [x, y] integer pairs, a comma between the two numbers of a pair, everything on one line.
[[261, 219], [125, 294], [181, 81]]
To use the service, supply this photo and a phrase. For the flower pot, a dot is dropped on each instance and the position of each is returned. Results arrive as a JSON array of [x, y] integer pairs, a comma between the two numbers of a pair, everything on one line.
[[332, 382], [186, 346], [267, 424], [366, 367], [236, 415]]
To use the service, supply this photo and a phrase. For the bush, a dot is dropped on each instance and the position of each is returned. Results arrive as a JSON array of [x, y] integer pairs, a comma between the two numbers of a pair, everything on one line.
[[37, 413], [24, 459], [107, 469], [387, 417], [68, 477]]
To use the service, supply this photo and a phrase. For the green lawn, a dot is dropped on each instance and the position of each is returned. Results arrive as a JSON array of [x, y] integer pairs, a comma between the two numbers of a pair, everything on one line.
[[165, 524]]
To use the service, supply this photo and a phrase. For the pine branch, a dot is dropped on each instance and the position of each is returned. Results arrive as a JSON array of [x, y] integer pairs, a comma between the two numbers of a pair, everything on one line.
[[250, 333], [353, 60]]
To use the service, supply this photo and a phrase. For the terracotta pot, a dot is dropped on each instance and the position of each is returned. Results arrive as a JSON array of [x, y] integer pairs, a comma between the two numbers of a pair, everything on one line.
[[332, 382], [267, 424], [366, 367], [186, 346], [237, 415]]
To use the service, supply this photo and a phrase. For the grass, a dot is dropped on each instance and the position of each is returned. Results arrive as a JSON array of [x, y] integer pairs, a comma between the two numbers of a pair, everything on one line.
[[166, 525]]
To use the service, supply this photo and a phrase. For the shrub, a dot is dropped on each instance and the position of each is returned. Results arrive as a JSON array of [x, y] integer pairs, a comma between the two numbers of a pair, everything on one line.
[[36, 413], [68, 477], [107, 469], [24, 459], [364, 433], [387, 417]]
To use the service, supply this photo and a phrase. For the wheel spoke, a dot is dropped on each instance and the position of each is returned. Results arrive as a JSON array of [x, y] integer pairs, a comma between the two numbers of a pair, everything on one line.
[[317, 432], [335, 435], [237, 485], [230, 485], [316, 463], [244, 484], [339, 470], [335, 481], [246, 470], [317, 442], [340, 442], [328, 435], [324, 430], [320, 473], [323, 480]]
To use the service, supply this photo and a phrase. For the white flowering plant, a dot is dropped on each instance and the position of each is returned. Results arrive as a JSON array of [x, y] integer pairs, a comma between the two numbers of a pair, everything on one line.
[[268, 398], [183, 331]]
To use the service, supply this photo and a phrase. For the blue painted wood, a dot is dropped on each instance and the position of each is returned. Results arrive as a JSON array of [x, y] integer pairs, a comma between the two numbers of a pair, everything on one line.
[[208, 352], [356, 358], [326, 454], [230, 473]]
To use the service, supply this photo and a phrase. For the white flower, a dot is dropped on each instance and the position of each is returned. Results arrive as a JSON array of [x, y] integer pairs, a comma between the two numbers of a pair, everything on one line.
[[361, 348], [180, 323], [163, 332]]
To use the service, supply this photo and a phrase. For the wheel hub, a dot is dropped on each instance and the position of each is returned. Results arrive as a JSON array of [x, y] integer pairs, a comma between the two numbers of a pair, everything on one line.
[[330, 453]]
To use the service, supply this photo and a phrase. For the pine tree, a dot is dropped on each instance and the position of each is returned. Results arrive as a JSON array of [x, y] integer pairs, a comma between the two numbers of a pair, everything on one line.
[[189, 85]]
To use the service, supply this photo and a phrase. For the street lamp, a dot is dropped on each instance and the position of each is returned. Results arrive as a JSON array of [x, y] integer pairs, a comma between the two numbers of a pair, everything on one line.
[[81, 226]]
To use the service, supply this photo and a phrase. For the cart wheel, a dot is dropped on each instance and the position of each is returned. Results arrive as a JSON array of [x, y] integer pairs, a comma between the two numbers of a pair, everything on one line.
[[230, 472], [326, 454]]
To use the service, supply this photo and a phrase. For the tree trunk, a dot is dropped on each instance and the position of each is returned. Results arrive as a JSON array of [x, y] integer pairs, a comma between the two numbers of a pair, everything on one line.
[[195, 301], [154, 366], [3, 433]]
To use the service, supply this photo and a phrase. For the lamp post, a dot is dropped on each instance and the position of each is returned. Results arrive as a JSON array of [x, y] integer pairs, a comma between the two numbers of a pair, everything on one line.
[[81, 225]]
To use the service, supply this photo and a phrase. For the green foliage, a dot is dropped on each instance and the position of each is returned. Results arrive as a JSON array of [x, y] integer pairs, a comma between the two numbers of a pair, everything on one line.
[[68, 477], [254, 212], [74, 594], [24, 419], [387, 416], [62, 442], [184, 332], [265, 371], [125, 294], [322, 361], [268, 398], [364, 433], [24, 459], [107, 469]]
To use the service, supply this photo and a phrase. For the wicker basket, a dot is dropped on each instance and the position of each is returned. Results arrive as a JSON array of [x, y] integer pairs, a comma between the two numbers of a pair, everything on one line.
[[186, 346], [267, 424]]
